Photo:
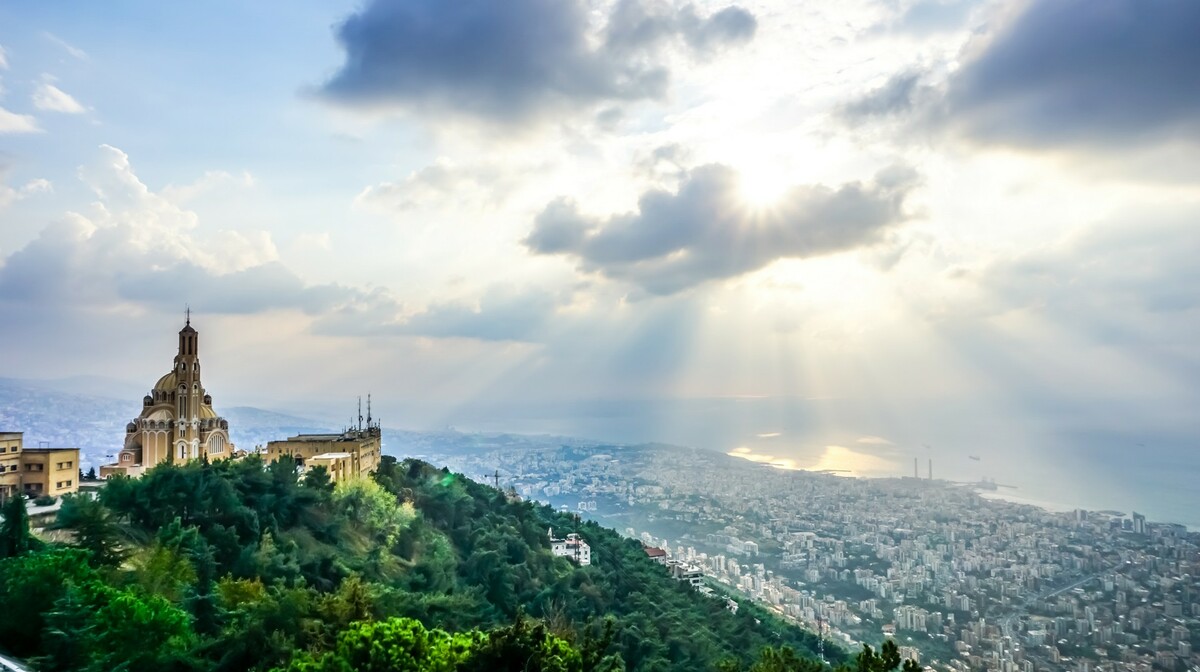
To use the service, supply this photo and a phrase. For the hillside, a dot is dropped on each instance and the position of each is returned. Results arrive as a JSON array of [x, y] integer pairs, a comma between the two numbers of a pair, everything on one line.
[[233, 566]]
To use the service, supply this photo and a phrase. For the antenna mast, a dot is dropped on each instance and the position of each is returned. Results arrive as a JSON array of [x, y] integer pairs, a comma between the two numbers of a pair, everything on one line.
[[368, 410], [360, 414]]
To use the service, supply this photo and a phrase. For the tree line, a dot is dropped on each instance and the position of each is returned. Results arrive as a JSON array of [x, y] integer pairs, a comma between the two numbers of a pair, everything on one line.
[[241, 565]]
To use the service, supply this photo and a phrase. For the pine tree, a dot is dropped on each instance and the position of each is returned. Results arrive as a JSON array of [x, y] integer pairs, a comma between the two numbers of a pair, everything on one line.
[[15, 538]]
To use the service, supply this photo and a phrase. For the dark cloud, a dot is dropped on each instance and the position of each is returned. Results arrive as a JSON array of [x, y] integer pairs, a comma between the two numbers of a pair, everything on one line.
[[1060, 73], [512, 60], [1092, 71], [896, 96], [704, 231]]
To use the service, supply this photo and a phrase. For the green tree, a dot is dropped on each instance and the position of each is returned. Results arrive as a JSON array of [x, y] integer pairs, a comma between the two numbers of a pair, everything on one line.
[[391, 645], [15, 537], [886, 660], [29, 587], [523, 646], [95, 527], [97, 628]]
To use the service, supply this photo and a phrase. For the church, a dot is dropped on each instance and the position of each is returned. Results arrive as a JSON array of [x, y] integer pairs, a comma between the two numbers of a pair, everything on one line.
[[177, 422]]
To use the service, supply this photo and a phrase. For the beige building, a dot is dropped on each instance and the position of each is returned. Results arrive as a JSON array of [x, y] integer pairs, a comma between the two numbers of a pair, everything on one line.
[[340, 466], [50, 471], [10, 464], [177, 422], [354, 452], [36, 471]]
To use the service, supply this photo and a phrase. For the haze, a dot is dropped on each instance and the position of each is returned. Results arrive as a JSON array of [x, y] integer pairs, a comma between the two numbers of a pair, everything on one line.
[[962, 228]]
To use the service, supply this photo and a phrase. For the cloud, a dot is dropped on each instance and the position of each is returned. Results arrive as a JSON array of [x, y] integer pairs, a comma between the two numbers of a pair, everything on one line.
[[502, 314], [138, 246], [513, 61], [438, 182], [211, 180], [897, 96], [50, 98], [11, 122], [267, 286], [1110, 268], [928, 17], [1083, 71], [9, 195], [3, 59], [703, 232], [71, 49], [1061, 73]]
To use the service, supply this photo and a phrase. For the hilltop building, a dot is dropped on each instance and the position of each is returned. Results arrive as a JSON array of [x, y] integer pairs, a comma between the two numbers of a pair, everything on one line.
[[36, 471], [573, 548], [177, 422], [350, 454]]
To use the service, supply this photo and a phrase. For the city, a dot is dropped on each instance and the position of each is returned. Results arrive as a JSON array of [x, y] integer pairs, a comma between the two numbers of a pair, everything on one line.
[[963, 582]]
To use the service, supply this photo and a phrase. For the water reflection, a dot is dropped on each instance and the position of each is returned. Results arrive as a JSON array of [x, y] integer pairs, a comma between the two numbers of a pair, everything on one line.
[[831, 459]]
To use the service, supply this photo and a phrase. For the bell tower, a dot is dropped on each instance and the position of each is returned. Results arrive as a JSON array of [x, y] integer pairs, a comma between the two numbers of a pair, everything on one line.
[[189, 393]]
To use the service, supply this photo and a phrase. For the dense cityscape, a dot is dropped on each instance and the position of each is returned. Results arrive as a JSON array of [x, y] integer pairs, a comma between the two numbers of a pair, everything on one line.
[[962, 581]]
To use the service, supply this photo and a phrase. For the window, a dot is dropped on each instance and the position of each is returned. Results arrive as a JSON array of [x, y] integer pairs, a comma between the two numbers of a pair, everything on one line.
[[64, 465], [62, 484], [35, 467]]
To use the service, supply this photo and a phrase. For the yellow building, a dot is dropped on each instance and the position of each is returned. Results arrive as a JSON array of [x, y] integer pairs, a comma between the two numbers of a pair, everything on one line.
[[354, 452], [10, 464], [177, 422], [36, 471], [339, 466], [50, 471]]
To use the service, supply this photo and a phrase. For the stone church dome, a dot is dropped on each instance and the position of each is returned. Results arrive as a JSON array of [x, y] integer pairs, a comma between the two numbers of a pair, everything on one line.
[[167, 382]]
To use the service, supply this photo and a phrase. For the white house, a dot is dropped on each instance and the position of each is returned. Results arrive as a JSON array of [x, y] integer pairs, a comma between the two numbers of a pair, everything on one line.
[[573, 547]]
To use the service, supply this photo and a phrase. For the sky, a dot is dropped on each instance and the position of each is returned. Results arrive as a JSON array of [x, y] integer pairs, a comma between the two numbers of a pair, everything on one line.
[[925, 214]]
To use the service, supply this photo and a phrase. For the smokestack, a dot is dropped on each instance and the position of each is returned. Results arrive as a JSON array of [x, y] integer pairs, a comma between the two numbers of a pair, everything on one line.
[[915, 474], [931, 468]]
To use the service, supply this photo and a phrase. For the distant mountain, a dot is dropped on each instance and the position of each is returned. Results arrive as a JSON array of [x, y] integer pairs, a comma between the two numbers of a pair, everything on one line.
[[93, 386]]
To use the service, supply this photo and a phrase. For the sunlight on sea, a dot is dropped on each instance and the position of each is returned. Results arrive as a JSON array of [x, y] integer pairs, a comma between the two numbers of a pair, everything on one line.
[[832, 459]]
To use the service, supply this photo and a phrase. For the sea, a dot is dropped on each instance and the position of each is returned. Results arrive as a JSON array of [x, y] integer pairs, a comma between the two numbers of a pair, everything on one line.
[[1059, 465]]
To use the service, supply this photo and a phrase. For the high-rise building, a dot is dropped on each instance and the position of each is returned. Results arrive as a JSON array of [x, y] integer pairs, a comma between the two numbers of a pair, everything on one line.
[[177, 422]]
